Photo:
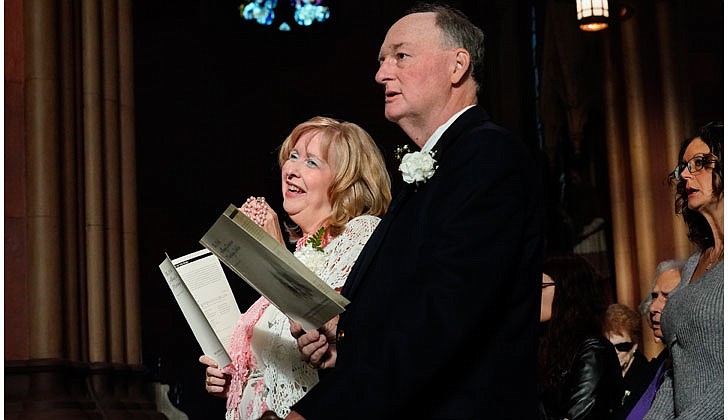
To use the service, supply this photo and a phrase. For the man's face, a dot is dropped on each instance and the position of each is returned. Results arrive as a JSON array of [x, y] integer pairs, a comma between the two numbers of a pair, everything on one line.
[[414, 69], [664, 284]]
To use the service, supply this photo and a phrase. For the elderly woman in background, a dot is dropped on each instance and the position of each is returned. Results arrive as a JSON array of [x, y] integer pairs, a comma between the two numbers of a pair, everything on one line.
[[579, 374], [623, 328], [692, 321]]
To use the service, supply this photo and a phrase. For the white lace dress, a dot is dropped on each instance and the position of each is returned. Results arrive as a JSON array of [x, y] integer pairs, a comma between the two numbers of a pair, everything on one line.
[[276, 376]]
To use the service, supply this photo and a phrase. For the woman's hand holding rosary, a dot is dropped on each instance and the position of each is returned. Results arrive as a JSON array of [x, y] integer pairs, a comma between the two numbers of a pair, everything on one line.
[[264, 216]]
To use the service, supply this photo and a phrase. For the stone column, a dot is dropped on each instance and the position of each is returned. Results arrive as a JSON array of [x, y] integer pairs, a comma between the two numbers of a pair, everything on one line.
[[73, 348]]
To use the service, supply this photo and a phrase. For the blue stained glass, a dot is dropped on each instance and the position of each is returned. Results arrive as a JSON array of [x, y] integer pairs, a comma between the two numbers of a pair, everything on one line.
[[306, 14], [260, 10]]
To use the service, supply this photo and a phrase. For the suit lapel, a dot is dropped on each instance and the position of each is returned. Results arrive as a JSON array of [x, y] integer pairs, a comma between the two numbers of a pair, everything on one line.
[[472, 116], [372, 245]]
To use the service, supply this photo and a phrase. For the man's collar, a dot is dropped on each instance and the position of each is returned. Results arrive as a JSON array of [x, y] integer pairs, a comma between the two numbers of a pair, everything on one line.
[[432, 141]]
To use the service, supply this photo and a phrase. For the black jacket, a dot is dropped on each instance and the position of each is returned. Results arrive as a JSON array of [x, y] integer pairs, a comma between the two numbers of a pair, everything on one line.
[[445, 296], [638, 378], [592, 388]]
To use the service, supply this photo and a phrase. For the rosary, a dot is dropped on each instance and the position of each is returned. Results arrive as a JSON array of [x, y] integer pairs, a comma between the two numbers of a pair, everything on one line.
[[255, 208]]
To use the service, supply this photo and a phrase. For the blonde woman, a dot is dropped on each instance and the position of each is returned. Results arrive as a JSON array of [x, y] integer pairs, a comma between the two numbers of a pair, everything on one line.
[[335, 188]]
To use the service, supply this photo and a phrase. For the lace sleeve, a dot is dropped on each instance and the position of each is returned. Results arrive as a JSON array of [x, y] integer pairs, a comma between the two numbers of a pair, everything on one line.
[[345, 249], [287, 378]]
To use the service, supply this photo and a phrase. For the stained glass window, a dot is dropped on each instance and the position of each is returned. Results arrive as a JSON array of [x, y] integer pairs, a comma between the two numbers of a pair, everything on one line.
[[305, 13]]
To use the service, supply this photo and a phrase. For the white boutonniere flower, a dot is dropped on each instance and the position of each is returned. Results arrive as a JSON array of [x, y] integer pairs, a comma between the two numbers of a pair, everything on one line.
[[416, 167]]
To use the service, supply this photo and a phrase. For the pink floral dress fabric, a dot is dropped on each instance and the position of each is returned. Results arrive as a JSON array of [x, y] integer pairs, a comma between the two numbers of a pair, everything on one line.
[[267, 372]]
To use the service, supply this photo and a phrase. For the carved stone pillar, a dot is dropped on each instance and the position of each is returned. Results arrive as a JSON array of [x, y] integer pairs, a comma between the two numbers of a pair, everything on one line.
[[72, 346]]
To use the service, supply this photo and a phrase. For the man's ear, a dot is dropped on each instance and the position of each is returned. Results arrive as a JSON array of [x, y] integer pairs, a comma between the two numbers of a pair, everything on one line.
[[462, 65]]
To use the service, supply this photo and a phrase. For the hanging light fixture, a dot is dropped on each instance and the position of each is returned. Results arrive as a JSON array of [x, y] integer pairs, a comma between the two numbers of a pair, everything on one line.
[[593, 15]]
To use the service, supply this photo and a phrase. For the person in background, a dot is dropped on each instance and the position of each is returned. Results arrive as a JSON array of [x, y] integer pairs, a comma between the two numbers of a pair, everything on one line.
[[666, 278], [579, 376], [692, 320], [443, 319], [335, 188], [623, 328]]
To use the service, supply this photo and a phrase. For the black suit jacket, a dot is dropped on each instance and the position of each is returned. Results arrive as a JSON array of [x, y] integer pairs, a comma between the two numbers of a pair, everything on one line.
[[445, 296], [638, 378]]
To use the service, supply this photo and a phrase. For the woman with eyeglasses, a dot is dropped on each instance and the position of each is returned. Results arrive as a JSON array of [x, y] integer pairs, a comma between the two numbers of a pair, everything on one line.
[[579, 373], [692, 320]]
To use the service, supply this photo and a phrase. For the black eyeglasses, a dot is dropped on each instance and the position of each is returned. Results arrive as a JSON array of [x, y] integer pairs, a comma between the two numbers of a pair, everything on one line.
[[545, 285], [624, 347], [695, 164]]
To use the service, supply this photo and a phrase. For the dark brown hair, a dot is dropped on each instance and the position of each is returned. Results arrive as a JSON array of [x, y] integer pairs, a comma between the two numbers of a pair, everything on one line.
[[699, 231], [576, 314]]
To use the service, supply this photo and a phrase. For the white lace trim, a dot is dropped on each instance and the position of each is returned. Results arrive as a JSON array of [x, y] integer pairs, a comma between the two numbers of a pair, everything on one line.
[[286, 377]]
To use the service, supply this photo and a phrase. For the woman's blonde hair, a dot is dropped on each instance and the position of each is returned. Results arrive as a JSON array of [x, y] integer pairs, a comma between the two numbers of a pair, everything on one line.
[[360, 183]]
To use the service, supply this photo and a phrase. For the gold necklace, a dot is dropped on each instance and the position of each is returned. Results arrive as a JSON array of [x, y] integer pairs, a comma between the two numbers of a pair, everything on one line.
[[712, 261]]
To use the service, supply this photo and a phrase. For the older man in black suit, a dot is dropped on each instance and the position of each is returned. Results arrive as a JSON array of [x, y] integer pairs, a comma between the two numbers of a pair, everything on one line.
[[445, 296]]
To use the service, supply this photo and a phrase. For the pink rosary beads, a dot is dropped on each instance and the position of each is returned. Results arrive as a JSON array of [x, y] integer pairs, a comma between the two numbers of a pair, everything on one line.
[[256, 209]]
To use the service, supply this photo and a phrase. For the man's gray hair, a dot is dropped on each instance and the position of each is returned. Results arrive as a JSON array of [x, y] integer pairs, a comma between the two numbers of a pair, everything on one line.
[[459, 32], [667, 265]]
